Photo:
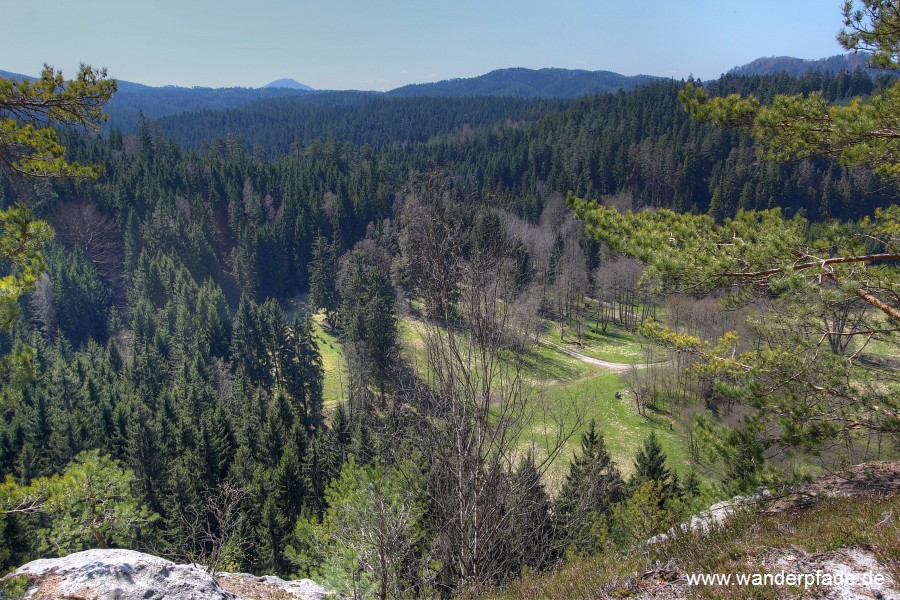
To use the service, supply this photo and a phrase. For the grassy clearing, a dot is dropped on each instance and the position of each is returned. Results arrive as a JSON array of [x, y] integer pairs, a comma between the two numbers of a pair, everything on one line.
[[593, 397], [544, 363], [332, 363], [744, 544], [569, 393], [411, 334], [616, 345], [548, 365]]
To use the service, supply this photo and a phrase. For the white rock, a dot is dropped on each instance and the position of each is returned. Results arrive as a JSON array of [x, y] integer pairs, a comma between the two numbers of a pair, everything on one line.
[[254, 586], [716, 514], [861, 575], [130, 575], [119, 574]]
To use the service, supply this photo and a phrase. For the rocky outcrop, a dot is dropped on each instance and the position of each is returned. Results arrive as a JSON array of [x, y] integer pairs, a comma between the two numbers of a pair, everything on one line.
[[130, 575], [867, 479], [269, 587], [714, 515]]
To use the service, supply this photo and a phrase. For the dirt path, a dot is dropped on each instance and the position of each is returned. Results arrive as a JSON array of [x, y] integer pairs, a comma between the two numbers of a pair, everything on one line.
[[615, 367]]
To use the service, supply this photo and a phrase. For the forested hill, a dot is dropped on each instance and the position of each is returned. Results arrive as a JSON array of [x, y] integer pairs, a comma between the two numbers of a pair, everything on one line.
[[529, 83], [356, 117], [797, 67], [134, 99], [156, 102], [643, 143], [516, 150]]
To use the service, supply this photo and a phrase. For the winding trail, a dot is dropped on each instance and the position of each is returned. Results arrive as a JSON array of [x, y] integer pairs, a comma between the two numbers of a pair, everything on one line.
[[615, 367]]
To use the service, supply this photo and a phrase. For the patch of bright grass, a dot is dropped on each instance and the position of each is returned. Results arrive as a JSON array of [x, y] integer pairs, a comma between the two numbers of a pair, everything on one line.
[[411, 335], [615, 345], [547, 364], [624, 431], [332, 363]]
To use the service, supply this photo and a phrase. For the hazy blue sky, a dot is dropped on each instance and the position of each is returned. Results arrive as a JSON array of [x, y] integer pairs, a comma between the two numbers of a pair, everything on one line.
[[367, 44]]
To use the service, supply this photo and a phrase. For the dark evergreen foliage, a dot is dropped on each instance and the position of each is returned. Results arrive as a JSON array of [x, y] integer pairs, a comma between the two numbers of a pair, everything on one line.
[[179, 357], [650, 465], [592, 486]]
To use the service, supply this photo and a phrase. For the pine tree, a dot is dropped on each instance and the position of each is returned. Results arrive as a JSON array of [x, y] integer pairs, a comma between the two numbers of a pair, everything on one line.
[[650, 465], [532, 535], [797, 393], [593, 485], [91, 505], [323, 279], [29, 146]]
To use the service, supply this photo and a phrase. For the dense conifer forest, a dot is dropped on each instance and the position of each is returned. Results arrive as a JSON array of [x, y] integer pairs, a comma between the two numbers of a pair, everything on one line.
[[164, 382]]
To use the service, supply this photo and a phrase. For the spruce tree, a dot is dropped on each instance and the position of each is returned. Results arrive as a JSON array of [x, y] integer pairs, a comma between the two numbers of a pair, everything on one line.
[[368, 312], [650, 465], [303, 373], [288, 485], [592, 487], [532, 536], [323, 279], [248, 346]]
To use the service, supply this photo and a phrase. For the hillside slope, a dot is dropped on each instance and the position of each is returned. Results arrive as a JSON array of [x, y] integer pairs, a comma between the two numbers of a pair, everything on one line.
[[797, 67], [529, 83], [844, 524]]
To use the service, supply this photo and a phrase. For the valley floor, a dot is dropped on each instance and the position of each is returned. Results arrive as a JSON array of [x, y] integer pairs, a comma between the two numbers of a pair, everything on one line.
[[574, 382]]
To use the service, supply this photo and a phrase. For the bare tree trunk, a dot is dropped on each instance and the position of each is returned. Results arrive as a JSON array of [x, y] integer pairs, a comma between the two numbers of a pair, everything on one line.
[[478, 411]]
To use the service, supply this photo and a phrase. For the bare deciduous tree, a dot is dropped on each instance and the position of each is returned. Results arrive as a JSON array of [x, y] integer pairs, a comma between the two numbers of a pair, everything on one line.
[[43, 301], [80, 224], [480, 411], [216, 529]]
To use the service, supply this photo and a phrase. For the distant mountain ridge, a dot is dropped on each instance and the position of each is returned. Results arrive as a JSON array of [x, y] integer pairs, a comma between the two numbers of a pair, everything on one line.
[[135, 99], [529, 83], [154, 102], [291, 84], [797, 67], [11, 75]]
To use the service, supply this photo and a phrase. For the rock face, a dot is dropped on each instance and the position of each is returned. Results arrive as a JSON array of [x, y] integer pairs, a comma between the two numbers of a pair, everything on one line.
[[861, 575], [714, 515], [251, 587], [130, 575]]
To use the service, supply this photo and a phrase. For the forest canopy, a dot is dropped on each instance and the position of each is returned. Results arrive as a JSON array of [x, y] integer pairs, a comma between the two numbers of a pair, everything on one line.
[[805, 381], [238, 343]]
